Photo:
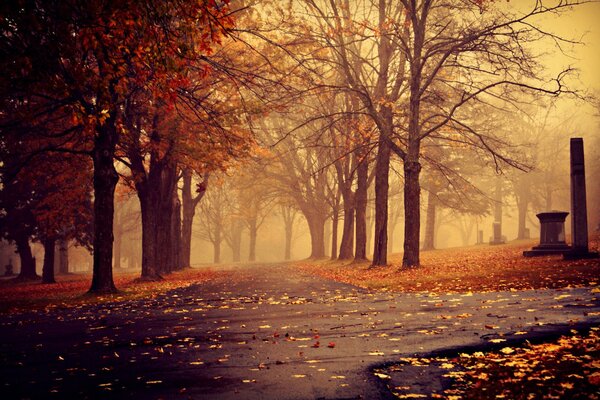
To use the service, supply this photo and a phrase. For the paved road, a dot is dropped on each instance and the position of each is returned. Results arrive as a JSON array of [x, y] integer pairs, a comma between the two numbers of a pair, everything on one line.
[[253, 333]]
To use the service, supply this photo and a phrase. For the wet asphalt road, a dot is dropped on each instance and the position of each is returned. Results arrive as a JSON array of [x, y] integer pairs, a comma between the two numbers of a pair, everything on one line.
[[262, 332]]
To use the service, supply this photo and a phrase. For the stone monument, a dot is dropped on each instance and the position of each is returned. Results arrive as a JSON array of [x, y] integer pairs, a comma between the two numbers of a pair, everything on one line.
[[579, 227]]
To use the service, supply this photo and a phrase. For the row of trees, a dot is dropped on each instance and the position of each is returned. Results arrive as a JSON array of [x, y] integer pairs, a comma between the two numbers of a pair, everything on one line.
[[160, 92], [95, 90], [427, 81]]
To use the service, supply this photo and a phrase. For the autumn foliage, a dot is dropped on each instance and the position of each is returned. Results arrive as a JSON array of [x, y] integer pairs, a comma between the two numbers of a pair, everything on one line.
[[478, 269]]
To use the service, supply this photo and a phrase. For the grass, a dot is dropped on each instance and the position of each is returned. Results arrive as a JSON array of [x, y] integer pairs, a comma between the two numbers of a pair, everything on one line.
[[468, 269], [71, 290]]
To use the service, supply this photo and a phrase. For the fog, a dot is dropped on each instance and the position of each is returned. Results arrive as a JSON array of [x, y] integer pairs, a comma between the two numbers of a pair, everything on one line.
[[296, 189]]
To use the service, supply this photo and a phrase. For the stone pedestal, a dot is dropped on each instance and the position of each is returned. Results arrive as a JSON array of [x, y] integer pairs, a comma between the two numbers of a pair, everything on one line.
[[552, 235]]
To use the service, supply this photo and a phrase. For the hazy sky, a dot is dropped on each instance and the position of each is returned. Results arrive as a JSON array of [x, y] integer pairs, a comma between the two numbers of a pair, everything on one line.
[[583, 22]]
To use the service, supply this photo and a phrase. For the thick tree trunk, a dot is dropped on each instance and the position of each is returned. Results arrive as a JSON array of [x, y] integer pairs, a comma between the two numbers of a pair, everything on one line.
[[362, 172], [522, 206], [105, 182], [316, 226], [148, 200], [164, 254], [27, 261], [382, 170], [347, 242], [252, 232], [429, 241], [48, 267], [217, 246], [412, 214]]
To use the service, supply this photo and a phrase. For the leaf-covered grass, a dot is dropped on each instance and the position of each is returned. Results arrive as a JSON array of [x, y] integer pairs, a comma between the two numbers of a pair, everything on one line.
[[567, 368], [71, 290], [477, 268]]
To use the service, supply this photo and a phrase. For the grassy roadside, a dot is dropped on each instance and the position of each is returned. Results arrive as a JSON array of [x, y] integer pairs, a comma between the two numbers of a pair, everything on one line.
[[567, 368], [468, 269], [70, 290]]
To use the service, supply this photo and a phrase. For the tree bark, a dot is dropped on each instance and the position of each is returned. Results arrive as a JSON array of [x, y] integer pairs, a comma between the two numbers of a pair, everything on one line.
[[334, 232], [148, 200], [48, 266], [236, 240], [429, 241], [382, 170], [362, 173], [316, 226], [105, 182], [412, 214], [176, 232], [27, 261], [252, 232], [165, 244], [347, 242], [287, 254]]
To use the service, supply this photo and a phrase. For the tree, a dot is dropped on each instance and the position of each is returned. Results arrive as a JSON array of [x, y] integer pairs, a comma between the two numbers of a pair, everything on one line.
[[86, 58]]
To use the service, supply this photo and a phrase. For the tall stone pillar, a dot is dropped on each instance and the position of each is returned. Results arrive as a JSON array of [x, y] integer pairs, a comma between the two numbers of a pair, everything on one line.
[[579, 228]]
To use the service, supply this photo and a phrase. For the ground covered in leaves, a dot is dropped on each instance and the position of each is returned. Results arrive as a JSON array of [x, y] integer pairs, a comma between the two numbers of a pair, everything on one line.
[[568, 368], [70, 290], [477, 268]]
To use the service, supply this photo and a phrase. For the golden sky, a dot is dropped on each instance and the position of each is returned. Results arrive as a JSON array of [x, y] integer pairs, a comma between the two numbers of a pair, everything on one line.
[[581, 23]]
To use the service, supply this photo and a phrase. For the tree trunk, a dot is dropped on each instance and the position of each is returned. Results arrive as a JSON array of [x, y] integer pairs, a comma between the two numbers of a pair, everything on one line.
[[176, 232], [217, 246], [63, 250], [168, 184], [412, 214], [48, 267], [27, 261], [188, 206], [236, 240], [316, 226], [347, 242], [105, 182], [382, 170], [253, 232], [287, 255], [335, 218], [187, 222], [148, 200], [429, 241], [362, 172]]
